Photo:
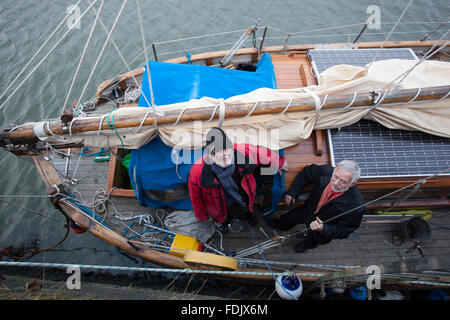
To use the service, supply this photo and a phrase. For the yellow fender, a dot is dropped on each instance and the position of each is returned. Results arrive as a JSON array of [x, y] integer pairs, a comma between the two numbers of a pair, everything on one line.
[[210, 259]]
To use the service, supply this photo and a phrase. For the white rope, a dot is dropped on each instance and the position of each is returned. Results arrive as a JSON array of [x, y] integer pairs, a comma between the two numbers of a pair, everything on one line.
[[189, 38], [46, 55], [379, 99], [156, 112], [389, 35], [180, 114], [153, 105], [94, 25], [222, 108], [108, 38], [427, 55], [251, 111], [214, 112], [287, 107], [139, 269], [354, 25], [317, 102], [39, 50], [130, 72], [351, 103], [448, 93], [415, 97]]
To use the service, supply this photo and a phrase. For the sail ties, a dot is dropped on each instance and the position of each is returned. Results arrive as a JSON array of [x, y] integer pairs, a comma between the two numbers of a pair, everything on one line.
[[317, 102], [222, 108]]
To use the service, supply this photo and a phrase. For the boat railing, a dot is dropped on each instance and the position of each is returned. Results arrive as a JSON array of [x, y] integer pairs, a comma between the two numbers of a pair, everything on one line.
[[343, 33]]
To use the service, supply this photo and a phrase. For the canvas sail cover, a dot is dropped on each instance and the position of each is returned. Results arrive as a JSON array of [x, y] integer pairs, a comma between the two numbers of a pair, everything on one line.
[[158, 175], [279, 131]]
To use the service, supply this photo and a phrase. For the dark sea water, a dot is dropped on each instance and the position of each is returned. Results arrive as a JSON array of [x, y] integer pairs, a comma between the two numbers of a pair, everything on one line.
[[25, 25]]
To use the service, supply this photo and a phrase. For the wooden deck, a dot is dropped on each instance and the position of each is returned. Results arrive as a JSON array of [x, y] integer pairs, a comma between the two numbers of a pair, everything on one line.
[[293, 70], [371, 244]]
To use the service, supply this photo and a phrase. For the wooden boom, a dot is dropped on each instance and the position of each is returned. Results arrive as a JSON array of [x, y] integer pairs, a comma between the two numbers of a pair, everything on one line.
[[25, 134]]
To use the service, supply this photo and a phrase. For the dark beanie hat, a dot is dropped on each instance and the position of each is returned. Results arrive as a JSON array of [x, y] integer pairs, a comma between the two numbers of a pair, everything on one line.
[[217, 140]]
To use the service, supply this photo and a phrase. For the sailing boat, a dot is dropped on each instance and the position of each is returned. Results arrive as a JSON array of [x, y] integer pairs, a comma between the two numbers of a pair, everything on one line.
[[288, 98]]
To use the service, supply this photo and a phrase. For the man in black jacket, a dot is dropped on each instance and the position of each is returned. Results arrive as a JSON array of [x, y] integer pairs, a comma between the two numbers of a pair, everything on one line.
[[324, 212]]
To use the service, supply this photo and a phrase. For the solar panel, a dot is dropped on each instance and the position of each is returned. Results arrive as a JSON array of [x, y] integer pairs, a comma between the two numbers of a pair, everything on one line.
[[383, 152], [322, 59]]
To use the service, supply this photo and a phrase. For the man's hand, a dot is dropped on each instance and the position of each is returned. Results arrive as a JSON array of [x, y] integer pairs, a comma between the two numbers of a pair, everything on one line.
[[289, 200], [316, 225]]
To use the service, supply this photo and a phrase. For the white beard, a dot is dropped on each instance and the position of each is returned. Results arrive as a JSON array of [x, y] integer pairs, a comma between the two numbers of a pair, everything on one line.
[[336, 189]]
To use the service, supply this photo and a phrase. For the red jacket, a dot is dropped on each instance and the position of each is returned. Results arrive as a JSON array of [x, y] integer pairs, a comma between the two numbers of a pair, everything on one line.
[[207, 195]]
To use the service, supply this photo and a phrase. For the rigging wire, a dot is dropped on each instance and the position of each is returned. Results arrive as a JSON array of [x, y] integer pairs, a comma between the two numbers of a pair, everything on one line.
[[94, 25], [108, 38], [149, 78], [38, 51], [389, 35], [46, 56], [427, 55], [271, 243]]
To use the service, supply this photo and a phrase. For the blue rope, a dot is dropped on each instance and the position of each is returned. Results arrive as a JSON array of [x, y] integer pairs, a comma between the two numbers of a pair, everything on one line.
[[71, 198], [188, 56], [102, 152]]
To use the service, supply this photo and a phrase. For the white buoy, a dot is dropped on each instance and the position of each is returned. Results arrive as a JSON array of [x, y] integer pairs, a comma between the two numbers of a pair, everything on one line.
[[289, 286]]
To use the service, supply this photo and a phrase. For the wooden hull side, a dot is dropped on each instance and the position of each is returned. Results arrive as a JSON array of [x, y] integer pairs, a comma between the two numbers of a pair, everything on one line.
[[256, 275]]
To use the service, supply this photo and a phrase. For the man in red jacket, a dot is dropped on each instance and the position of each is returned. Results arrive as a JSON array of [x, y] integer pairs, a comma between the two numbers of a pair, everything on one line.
[[221, 183]]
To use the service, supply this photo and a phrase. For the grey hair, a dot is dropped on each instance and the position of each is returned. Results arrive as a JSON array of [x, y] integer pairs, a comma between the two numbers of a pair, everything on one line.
[[352, 167]]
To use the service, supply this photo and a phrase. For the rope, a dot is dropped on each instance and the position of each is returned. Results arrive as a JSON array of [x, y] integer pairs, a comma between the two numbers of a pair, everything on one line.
[[114, 127], [46, 56], [39, 50], [108, 38], [189, 38], [273, 243], [146, 60], [138, 269], [94, 25], [427, 55], [389, 35], [287, 107], [419, 181], [267, 265], [10, 252]]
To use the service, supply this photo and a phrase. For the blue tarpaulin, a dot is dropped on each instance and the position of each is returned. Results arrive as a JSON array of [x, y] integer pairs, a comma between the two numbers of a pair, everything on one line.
[[172, 82], [152, 167]]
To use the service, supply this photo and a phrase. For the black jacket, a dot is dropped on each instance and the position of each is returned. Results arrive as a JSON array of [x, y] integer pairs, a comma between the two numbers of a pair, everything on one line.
[[340, 227]]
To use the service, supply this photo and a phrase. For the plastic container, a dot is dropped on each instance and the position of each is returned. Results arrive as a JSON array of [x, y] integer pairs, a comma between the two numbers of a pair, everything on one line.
[[182, 244]]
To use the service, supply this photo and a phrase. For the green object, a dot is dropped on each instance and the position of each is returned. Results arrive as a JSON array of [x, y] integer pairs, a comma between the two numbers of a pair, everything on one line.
[[126, 161], [126, 165]]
